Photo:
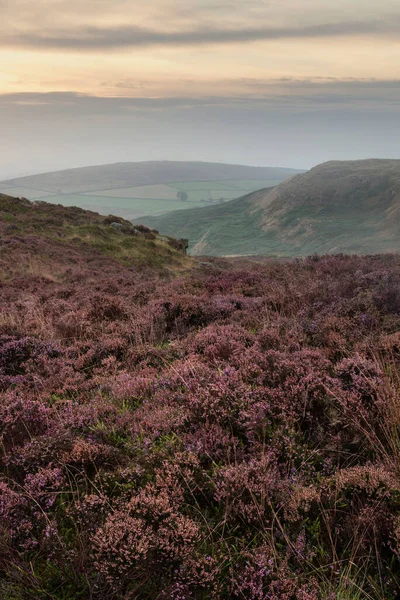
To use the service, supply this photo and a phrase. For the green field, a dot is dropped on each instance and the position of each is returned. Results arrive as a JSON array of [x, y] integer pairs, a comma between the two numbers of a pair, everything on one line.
[[128, 208], [190, 186], [158, 192], [240, 184], [132, 202]]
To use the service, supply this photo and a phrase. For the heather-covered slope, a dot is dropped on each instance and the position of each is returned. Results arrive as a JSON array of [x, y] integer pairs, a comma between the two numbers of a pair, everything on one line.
[[228, 433], [49, 239], [351, 207]]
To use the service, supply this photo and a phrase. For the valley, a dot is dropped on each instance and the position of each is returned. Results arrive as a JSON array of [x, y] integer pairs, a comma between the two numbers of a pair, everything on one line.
[[351, 207], [131, 190]]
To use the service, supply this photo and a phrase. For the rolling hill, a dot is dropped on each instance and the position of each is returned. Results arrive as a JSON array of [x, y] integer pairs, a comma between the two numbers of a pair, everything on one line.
[[131, 190], [349, 206]]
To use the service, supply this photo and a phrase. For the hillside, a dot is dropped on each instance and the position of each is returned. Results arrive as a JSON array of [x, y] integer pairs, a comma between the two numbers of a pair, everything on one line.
[[48, 241], [351, 207], [134, 189]]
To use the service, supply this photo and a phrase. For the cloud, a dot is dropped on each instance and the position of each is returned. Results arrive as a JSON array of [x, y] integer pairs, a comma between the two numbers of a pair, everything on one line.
[[103, 38], [282, 94]]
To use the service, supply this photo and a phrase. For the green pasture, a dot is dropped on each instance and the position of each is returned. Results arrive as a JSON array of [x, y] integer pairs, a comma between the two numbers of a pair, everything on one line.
[[157, 192], [128, 208], [152, 200]]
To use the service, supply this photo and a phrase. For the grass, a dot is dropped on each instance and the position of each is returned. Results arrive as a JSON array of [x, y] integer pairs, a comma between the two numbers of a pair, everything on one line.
[[240, 184], [236, 228], [250, 185], [158, 192], [126, 249], [223, 229], [128, 208]]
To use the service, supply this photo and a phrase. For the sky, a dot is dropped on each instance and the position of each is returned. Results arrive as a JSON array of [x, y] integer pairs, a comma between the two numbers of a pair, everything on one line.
[[269, 82]]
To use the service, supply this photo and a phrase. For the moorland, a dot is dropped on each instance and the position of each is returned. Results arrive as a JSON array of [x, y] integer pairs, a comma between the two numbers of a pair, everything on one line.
[[180, 428]]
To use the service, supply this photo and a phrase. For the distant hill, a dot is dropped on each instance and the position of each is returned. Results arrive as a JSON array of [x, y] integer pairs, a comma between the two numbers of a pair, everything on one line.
[[350, 207], [144, 173], [145, 188]]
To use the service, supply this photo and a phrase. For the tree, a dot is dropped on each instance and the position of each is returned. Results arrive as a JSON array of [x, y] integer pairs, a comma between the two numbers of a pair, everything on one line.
[[182, 196]]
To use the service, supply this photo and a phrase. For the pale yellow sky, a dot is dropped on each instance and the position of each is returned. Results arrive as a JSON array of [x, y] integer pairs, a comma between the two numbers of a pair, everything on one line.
[[187, 48]]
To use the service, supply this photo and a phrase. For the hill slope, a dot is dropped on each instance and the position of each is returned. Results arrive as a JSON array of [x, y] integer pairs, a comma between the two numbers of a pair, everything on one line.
[[351, 207], [47, 240]]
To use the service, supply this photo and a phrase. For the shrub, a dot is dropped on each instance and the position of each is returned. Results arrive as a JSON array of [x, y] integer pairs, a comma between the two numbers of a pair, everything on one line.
[[231, 432]]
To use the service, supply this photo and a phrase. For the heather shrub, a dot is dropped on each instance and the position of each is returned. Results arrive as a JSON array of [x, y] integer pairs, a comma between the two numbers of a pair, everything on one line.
[[387, 299], [245, 490], [21, 419], [106, 308], [15, 352], [71, 325], [228, 433], [142, 228], [222, 342], [146, 532]]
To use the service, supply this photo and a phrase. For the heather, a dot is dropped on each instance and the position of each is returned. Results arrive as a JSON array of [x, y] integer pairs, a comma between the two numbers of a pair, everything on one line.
[[41, 238], [228, 431]]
